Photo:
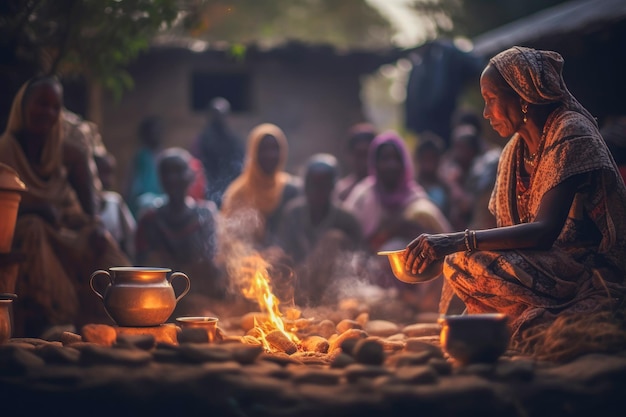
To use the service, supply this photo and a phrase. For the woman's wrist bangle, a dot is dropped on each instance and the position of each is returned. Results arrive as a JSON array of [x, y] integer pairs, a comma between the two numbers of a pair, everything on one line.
[[474, 241], [466, 239]]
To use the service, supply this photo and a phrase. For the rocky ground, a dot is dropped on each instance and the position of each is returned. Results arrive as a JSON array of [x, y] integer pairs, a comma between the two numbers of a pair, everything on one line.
[[366, 367]]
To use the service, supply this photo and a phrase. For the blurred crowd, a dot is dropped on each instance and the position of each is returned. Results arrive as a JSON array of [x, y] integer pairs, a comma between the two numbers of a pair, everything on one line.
[[187, 209]]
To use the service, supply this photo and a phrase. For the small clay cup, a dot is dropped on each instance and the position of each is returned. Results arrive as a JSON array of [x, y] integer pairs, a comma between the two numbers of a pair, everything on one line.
[[208, 324], [474, 338]]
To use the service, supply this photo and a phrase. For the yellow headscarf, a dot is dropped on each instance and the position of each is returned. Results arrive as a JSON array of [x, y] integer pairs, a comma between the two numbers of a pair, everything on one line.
[[254, 188], [46, 180]]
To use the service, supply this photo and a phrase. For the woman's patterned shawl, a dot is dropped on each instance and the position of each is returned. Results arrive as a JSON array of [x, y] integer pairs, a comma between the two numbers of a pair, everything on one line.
[[572, 145]]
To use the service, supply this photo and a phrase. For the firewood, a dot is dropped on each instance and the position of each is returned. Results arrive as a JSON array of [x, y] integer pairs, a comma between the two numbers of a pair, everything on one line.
[[348, 334], [248, 320], [315, 344], [281, 342]]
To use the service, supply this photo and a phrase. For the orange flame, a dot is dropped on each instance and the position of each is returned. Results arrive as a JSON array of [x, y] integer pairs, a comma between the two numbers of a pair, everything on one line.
[[254, 272]]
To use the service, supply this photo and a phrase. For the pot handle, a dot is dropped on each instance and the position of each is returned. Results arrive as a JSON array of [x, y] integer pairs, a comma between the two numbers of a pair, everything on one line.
[[95, 274], [186, 290]]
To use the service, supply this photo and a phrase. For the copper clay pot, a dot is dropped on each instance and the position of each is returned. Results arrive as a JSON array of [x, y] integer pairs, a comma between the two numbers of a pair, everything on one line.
[[475, 338], [5, 316], [139, 296]]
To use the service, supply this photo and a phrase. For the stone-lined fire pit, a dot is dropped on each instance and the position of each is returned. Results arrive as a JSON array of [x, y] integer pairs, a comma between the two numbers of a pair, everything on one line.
[[349, 367]]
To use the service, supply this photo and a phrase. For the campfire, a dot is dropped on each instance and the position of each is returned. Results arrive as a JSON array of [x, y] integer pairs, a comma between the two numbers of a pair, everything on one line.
[[270, 330]]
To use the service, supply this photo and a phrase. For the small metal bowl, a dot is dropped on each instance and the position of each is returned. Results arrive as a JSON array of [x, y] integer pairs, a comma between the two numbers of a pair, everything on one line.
[[397, 261], [208, 324], [474, 338]]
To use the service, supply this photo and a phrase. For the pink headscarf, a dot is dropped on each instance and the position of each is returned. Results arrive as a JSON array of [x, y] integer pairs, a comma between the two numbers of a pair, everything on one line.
[[407, 189]]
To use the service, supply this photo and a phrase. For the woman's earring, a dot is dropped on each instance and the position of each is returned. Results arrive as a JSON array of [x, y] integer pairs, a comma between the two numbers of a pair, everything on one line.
[[525, 112]]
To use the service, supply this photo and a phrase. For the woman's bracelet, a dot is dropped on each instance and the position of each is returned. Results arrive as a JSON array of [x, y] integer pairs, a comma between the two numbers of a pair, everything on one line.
[[466, 238], [474, 241], [470, 240]]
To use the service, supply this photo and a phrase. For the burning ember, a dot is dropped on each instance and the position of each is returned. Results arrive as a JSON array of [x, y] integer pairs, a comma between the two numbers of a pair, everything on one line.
[[271, 332]]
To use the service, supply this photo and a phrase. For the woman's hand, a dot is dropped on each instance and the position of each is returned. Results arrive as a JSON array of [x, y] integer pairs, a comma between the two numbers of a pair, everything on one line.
[[426, 249]]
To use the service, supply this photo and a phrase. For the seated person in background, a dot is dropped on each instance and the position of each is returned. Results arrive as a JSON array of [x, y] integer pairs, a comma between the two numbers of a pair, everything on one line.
[[466, 148], [315, 231], [181, 233], [114, 212], [390, 206], [63, 240], [359, 138], [427, 159], [255, 200], [144, 186]]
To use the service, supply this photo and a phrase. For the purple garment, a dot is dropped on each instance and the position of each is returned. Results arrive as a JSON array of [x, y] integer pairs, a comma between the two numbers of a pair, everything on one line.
[[407, 189]]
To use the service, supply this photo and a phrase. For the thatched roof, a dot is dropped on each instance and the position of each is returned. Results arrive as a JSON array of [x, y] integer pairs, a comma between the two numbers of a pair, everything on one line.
[[567, 20]]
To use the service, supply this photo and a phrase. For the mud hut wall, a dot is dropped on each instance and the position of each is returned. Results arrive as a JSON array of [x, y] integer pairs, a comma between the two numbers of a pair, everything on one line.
[[314, 101]]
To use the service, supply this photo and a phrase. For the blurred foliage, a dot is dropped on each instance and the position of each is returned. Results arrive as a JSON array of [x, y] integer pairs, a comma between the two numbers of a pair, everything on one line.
[[95, 38], [341, 23], [473, 17]]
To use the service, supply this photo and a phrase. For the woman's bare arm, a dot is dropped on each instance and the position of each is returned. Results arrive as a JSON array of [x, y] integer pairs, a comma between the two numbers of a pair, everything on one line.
[[540, 234]]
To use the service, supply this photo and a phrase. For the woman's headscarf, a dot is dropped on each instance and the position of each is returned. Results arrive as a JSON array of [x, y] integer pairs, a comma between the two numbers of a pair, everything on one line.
[[537, 77], [51, 160], [407, 188], [254, 188]]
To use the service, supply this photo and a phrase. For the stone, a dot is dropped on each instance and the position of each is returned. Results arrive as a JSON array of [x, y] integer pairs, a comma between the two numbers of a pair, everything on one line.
[[369, 352], [410, 359], [69, 338], [100, 355], [312, 358], [442, 366], [317, 377], [58, 355], [325, 328], [15, 360], [382, 328], [417, 375], [139, 341], [28, 340], [55, 333], [357, 371], [515, 370], [246, 354], [222, 368], [342, 360], [164, 355], [363, 318], [204, 352], [315, 344], [250, 320], [346, 324], [422, 329], [415, 344], [100, 334], [279, 358], [337, 342], [165, 333]]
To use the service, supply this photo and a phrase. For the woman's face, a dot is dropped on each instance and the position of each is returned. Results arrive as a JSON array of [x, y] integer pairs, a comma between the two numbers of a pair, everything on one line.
[[318, 187], [42, 107], [268, 155], [389, 166], [502, 105], [176, 176]]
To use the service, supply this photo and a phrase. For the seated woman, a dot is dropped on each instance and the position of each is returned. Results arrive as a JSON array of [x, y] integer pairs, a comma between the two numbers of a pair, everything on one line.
[[391, 207], [555, 264], [61, 238], [181, 233], [256, 199], [316, 233]]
